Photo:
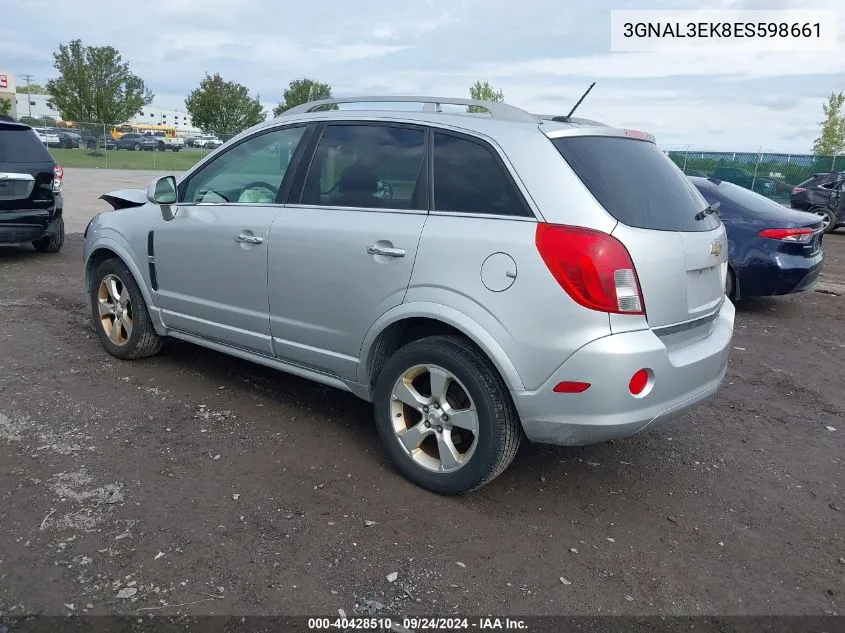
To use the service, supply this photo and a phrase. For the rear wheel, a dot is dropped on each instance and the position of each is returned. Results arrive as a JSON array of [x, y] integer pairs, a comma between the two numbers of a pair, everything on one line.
[[445, 415], [52, 243], [176, 149], [827, 216], [120, 313], [137, 147]]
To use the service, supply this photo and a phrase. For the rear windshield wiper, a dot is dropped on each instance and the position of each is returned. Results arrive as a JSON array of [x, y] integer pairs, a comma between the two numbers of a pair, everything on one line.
[[709, 209]]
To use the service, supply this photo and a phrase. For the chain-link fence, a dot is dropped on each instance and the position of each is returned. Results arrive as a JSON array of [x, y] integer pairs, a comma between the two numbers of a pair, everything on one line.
[[772, 174], [122, 146]]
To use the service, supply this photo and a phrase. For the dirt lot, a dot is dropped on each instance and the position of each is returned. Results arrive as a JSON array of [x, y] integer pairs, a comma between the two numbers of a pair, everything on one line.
[[197, 483]]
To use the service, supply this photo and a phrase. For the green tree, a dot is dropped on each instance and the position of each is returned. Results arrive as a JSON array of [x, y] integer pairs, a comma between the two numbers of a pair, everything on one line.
[[223, 107], [301, 91], [484, 92], [95, 84], [831, 141], [34, 89], [5, 107]]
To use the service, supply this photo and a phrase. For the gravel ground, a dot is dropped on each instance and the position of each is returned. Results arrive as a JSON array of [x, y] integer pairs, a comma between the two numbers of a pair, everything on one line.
[[196, 483]]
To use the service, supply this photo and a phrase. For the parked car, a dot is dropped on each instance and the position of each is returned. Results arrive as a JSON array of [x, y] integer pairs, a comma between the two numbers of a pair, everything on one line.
[[165, 142], [477, 278], [30, 190], [772, 250], [108, 143], [207, 141], [67, 138], [84, 139], [814, 195], [136, 142], [48, 138]]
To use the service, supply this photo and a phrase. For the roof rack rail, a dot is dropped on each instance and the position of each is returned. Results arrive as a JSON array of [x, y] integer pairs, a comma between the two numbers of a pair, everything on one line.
[[431, 104]]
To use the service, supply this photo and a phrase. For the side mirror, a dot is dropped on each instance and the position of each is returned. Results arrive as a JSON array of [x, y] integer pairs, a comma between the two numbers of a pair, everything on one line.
[[162, 191]]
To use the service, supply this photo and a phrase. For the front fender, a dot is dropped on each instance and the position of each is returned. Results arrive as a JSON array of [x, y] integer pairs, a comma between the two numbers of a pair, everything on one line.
[[117, 244], [450, 316]]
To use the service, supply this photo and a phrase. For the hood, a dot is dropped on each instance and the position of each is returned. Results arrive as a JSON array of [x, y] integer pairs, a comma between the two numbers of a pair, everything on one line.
[[126, 198]]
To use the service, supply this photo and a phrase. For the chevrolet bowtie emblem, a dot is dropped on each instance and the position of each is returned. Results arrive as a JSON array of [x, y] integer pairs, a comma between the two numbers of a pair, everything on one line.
[[716, 248]]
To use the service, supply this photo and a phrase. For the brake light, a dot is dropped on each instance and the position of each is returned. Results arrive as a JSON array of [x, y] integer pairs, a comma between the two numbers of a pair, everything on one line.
[[788, 235], [58, 177], [594, 268], [797, 190]]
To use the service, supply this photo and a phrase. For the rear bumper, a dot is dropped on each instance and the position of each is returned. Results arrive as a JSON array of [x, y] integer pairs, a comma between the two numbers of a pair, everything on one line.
[[25, 225], [784, 274], [681, 378]]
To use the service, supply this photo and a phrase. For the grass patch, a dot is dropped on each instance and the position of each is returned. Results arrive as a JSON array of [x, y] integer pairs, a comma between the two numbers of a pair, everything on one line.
[[125, 159]]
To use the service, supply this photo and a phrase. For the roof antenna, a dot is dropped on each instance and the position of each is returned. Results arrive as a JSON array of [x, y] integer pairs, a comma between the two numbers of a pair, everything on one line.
[[565, 119]]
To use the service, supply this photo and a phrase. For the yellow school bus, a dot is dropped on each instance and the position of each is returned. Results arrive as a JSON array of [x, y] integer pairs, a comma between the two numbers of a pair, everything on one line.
[[126, 128]]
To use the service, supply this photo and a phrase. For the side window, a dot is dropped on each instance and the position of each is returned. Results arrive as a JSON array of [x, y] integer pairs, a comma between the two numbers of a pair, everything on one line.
[[250, 172], [368, 166], [469, 179]]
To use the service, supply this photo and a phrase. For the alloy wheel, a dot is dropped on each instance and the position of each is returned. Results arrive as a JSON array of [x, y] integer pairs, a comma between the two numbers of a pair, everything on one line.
[[115, 309], [434, 418]]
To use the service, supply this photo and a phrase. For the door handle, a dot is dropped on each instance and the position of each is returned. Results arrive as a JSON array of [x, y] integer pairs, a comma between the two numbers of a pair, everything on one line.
[[249, 239], [385, 251]]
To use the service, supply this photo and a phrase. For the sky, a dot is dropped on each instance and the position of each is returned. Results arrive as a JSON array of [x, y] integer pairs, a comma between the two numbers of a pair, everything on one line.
[[542, 53]]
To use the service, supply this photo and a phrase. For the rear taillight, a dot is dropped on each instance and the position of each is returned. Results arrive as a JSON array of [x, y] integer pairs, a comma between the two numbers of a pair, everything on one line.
[[797, 190], [58, 176], [594, 268], [788, 235]]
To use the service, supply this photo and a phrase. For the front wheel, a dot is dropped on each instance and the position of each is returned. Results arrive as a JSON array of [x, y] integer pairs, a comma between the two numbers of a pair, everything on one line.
[[137, 147], [445, 416], [120, 313]]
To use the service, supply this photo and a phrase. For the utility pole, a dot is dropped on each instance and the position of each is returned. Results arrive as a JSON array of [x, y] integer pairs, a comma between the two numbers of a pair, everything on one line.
[[28, 100]]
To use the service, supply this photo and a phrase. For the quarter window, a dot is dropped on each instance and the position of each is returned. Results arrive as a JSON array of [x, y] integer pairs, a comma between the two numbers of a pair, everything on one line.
[[368, 166], [469, 179], [250, 172]]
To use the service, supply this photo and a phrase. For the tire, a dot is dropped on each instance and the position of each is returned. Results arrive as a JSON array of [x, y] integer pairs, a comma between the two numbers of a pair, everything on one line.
[[488, 452], [176, 149], [827, 215], [142, 340], [90, 145], [730, 284], [161, 146], [52, 243], [137, 147]]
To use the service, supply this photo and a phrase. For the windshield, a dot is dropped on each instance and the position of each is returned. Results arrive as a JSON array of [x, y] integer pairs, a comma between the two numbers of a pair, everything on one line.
[[636, 183]]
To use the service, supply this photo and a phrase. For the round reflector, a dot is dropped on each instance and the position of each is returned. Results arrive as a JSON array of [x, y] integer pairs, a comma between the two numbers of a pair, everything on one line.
[[638, 382]]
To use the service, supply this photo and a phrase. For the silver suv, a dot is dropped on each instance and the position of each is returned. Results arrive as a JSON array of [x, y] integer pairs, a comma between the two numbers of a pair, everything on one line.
[[478, 276]]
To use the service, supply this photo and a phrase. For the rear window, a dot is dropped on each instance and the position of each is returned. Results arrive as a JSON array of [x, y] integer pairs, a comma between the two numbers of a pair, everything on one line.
[[21, 145], [636, 183], [740, 197]]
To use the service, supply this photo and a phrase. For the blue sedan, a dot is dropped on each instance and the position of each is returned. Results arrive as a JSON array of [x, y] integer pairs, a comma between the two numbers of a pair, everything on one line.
[[772, 250]]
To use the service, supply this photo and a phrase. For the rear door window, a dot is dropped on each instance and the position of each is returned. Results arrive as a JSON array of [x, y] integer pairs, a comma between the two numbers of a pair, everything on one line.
[[22, 145], [636, 183], [469, 178]]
